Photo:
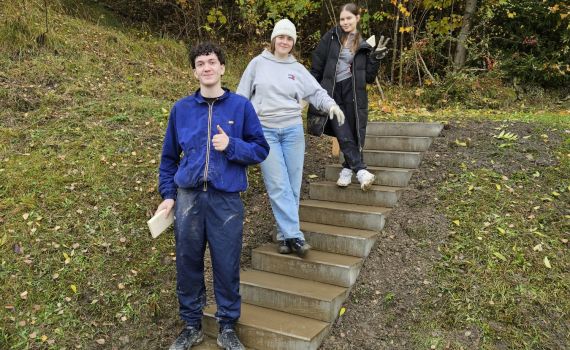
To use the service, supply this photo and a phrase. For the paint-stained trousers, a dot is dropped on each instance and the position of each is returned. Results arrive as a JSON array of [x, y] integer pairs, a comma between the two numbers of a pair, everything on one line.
[[215, 218]]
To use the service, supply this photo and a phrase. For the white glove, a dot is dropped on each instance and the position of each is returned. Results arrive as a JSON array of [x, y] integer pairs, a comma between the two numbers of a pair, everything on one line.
[[335, 111], [381, 49]]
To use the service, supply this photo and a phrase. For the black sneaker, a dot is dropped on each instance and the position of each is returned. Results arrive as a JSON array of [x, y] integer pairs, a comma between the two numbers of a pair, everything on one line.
[[299, 246], [283, 247], [228, 339], [188, 337]]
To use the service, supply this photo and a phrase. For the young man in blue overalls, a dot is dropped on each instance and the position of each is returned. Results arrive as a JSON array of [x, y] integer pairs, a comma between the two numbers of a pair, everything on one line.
[[211, 138]]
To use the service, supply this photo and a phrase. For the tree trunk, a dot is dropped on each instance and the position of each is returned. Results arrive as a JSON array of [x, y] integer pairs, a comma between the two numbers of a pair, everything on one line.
[[461, 50], [198, 16], [395, 43]]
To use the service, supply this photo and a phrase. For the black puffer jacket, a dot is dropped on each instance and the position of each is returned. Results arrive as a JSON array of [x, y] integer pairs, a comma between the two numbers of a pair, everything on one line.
[[364, 70]]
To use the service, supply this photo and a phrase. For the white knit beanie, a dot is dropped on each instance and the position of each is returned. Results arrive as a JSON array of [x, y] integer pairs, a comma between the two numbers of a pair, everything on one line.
[[285, 27]]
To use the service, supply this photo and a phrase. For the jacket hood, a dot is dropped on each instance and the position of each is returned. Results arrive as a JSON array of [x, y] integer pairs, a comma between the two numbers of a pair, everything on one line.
[[337, 31], [268, 55]]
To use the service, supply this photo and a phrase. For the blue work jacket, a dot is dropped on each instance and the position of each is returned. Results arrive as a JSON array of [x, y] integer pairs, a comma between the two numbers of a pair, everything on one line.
[[189, 159]]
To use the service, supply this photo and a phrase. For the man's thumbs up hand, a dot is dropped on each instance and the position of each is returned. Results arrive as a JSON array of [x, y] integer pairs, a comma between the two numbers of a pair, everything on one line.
[[220, 140]]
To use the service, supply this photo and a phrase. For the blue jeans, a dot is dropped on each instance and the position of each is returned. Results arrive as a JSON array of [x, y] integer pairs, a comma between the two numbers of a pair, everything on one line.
[[282, 173], [215, 218]]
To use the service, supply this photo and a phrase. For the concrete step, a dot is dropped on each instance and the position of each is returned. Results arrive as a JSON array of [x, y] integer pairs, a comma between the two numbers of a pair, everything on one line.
[[390, 159], [397, 143], [398, 177], [339, 240], [340, 270], [209, 343], [404, 129], [343, 214], [262, 328], [382, 196], [292, 295]]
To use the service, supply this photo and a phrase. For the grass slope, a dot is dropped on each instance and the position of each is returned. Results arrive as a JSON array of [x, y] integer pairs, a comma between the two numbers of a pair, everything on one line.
[[81, 124]]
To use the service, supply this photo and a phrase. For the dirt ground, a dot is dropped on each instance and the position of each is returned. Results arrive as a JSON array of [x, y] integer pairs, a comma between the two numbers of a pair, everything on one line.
[[395, 278]]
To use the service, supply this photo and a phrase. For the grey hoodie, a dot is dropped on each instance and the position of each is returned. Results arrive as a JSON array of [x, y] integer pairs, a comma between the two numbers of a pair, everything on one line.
[[276, 88]]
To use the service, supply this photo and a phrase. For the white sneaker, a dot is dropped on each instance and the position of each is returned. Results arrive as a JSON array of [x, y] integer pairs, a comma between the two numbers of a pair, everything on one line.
[[344, 178], [366, 179]]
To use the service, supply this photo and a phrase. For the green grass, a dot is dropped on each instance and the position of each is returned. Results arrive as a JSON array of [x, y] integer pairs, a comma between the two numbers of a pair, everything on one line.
[[81, 125], [82, 118], [504, 271]]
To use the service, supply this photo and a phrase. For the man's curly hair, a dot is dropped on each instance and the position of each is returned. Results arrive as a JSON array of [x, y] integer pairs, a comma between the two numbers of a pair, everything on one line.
[[204, 49]]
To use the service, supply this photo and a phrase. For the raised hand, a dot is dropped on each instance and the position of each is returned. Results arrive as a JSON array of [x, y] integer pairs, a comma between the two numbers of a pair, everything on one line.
[[220, 140], [382, 48]]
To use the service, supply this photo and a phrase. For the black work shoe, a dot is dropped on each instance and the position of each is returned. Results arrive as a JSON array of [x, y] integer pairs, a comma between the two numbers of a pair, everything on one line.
[[228, 339], [283, 247], [299, 246], [188, 337]]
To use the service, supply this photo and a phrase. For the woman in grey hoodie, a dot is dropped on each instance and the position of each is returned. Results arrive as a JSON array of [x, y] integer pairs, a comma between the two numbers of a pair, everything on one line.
[[276, 83]]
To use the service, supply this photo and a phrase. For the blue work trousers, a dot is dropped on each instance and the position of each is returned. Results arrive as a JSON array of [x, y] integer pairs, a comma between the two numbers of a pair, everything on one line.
[[215, 218]]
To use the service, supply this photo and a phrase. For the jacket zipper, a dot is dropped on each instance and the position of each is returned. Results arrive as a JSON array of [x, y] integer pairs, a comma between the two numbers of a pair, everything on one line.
[[335, 68], [210, 110], [356, 110], [336, 65], [353, 94]]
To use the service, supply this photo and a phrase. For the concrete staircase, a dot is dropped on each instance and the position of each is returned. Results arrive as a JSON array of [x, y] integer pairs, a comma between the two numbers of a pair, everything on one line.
[[289, 302]]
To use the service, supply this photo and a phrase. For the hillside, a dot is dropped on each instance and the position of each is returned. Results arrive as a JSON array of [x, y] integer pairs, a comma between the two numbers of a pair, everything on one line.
[[82, 116]]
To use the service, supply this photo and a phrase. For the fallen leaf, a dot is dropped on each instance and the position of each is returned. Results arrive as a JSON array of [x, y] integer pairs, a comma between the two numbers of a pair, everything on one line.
[[313, 176], [26, 216], [537, 248], [342, 311], [460, 143], [73, 288], [24, 295], [547, 262], [44, 338], [100, 341], [456, 222], [500, 256]]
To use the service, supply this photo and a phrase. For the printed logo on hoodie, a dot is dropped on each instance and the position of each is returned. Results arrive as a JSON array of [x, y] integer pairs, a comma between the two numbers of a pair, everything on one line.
[[291, 76]]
